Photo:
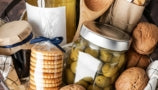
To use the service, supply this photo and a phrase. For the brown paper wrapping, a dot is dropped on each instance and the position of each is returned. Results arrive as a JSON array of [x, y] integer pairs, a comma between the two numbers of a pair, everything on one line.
[[124, 15], [12, 33], [1, 22], [12, 79]]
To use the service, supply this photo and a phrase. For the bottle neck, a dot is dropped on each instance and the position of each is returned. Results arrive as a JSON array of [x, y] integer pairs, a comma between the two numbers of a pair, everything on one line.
[[41, 3]]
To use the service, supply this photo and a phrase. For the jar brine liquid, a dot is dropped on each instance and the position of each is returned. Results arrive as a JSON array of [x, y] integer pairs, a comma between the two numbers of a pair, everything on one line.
[[70, 16]]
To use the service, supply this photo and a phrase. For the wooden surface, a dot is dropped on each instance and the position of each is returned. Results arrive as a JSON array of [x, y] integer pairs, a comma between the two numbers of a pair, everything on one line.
[[91, 10]]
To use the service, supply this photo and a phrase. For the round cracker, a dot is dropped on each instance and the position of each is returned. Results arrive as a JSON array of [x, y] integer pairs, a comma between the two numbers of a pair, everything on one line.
[[33, 87], [46, 51], [46, 80], [45, 84], [41, 57], [44, 70], [46, 65], [34, 60], [47, 75]]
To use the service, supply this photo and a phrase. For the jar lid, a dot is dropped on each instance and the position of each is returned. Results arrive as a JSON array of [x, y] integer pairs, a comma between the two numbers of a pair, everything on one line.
[[105, 36], [13, 32]]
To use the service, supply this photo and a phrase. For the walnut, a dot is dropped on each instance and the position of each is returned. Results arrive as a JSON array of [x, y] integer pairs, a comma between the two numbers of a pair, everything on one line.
[[72, 87], [145, 37], [134, 78], [135, 59]]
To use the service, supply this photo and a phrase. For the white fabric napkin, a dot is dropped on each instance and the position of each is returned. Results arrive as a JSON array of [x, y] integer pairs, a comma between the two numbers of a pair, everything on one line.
[[152, 72]]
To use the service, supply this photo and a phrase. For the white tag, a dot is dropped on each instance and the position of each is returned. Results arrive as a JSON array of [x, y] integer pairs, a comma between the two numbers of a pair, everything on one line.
[[87, 66], [129, 0], [41, 3], [38, 73], [47, 22]]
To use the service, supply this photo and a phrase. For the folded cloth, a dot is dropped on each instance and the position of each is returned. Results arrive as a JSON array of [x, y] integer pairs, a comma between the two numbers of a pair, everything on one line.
[[8, 72]]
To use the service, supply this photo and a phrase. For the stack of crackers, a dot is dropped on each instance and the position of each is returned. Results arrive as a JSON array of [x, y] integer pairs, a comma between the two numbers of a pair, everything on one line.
[[46, 68]]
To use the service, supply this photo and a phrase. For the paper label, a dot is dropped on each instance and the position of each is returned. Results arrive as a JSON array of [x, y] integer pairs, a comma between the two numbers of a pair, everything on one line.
[[129, 0], [38, 73], [47, 22], [87, 66]]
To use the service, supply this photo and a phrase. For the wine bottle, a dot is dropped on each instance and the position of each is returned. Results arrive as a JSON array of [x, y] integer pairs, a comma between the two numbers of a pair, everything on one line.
[[51, 18]]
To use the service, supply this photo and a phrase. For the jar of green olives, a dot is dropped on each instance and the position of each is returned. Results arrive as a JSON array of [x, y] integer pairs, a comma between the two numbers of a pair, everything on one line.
[[97, 57]]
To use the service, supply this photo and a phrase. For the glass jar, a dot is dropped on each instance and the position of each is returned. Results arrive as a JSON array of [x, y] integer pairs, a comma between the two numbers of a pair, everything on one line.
[[54, 13], [97, 57]]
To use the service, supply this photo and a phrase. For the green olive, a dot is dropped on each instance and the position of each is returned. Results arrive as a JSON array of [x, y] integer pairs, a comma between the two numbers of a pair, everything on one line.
[[106, 68], [115, 59], [88, 79], [81, 44], [69, 76], [73, 67], [109, 70], [74, 54], [108, 88], [105, 56], [114, 77], [92, 52], [83, 83], [102, 81], [69, 61], [93, 87], [121, 61]]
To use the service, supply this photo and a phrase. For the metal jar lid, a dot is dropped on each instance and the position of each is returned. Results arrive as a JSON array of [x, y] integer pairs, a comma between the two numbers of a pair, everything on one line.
[[105, 36]]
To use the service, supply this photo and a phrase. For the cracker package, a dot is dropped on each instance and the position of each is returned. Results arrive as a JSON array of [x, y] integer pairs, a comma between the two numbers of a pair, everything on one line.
[[46, 65], [7, 69], [15, 36], [124, 14]]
